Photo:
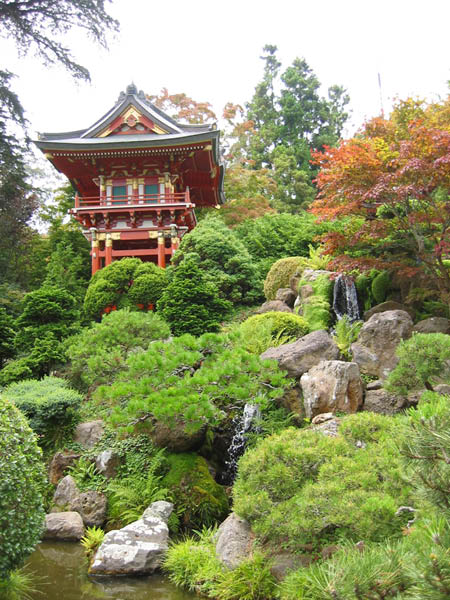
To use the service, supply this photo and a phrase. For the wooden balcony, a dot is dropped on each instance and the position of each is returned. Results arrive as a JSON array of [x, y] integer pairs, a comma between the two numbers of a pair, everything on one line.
[[137, 200]]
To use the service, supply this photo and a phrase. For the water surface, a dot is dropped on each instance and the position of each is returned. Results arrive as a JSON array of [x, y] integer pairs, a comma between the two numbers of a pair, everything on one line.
[[61, 571]]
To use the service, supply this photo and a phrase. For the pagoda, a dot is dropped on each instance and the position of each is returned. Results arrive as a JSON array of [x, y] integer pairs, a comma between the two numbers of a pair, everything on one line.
[[138, 175]]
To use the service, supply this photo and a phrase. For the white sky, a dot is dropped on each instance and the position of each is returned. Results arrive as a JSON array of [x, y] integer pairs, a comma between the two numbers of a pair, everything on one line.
[[210, 50]]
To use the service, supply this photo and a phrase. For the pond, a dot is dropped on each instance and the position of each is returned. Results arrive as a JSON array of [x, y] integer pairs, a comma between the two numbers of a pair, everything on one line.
[[62, 575]]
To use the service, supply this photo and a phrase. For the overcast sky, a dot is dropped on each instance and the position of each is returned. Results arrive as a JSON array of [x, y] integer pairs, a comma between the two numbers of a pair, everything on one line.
[[210, 50]]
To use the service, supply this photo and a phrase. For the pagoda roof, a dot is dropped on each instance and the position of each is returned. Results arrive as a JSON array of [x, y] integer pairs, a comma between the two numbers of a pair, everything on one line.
[[159, 124]]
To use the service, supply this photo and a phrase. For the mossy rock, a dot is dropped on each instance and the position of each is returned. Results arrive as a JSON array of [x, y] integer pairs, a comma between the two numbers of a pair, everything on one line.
[[198, 499], [283, 324], [317, 308], [280, 274]]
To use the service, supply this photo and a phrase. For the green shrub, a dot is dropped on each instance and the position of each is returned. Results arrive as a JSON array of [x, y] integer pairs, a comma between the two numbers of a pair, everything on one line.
[[7, 335], [280, 274], [301, 487], [22, 482], [86, 476], [198, 499], [250, 580], [193, 564], [124, 283], [283, 325], [189, 381], [380, 286], [190, 303], [49, 404], [223, 260], [98, 353], [423, 362]]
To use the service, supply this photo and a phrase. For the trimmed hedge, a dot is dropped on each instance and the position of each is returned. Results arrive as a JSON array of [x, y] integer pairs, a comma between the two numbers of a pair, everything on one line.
[[280, 274]]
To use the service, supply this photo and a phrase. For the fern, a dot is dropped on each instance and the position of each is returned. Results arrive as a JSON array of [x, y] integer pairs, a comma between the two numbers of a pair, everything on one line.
[[345, 334]]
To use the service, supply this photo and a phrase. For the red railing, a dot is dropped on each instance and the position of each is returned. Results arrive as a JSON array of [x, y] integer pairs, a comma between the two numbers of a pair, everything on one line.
[[144, 199]]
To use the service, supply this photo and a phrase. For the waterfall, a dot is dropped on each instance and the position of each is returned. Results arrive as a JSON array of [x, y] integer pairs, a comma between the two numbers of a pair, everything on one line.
[[243, 425], [345, 298]]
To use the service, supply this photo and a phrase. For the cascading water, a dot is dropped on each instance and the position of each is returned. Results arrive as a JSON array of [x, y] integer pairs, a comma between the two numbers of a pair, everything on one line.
[[345, 298], [243, 425]]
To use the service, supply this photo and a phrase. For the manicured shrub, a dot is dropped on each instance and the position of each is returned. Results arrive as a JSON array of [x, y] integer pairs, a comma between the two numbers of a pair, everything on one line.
[[191, 304], [199, 500], [98, 353], [224, 261], [124, 283], [49, 405], [280, 274], [300, 487], [380, 286], [284, 326], [189, 382], [423, 362], [22, 481]]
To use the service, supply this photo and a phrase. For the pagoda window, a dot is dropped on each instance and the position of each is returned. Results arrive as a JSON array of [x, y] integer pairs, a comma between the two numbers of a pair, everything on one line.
[[151, 192], [119, 192]]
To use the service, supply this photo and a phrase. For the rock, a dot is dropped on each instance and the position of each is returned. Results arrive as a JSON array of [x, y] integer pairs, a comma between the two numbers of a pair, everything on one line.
[[329, 427], [91, 506], [292, 401], [374, 385], [174, 437], [383, 402], [283, 563], [303, 354], [64, 526], [287, 296], [233, 541], [294, 281], [313, 274], [273, 305], [305, 292], [59, 463], [433, 325], [385, 306], [374, 350], [65, 493], [107, 463], [322, 418], [330, 386], [89, 433], [443, 389], [138, 548]]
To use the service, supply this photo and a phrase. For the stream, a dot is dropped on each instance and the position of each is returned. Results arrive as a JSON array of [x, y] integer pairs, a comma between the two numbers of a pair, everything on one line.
[[61, 574]]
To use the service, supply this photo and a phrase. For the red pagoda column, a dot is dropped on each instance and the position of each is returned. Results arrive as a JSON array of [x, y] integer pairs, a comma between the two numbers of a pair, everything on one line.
[[161, 250], [174, 239], [108, 250]]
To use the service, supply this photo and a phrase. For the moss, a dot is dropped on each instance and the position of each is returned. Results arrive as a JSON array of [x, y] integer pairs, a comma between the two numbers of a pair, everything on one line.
[[380, 286], [280, 273], [317, 308], [198, 499], [283, 324]]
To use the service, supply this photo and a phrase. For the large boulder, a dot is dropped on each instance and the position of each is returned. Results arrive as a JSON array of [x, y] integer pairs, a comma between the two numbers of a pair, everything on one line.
[[138, 548], [287, 296], [303, 354], [385, 306], [64, 526], [66, 491], [433, 325], [91, 506], [173, 437], [59, 463], [374, 350], [89, 433], [273, 306], [331, 386], [233, 541], [107, 463], [383, 402]]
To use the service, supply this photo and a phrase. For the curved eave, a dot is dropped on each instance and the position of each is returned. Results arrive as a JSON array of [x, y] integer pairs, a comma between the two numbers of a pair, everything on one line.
[[121, 142]]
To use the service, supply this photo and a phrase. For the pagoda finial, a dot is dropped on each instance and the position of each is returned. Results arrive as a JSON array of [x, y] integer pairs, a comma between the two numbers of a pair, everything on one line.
[[131, 89]]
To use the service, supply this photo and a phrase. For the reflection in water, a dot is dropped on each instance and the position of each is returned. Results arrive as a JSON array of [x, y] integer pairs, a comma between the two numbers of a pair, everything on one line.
[[62, 575]]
